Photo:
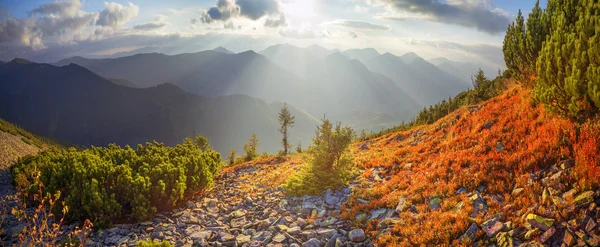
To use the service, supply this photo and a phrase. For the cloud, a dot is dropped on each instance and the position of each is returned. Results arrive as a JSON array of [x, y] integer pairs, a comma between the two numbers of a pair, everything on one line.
[[358, 25], [251, 9], [63, 22], [353, 35], [490, 53], [276, 22], [297, 33], [52, 22], [229, 25], [20, 33], [116, 15], [150, 26], [65, 9], [481, 15], [255, 9]]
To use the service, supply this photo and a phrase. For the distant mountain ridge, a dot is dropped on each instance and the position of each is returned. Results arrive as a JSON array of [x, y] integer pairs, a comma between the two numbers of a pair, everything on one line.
[[463, 70], [333, 85], [73, 104], [222, 49]]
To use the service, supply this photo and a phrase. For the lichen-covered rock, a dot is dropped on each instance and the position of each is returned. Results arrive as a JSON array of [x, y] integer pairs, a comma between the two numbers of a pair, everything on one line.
[[539, 221]]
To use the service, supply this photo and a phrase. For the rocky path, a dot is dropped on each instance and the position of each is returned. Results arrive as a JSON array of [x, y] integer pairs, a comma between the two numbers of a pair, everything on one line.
[[246, 208]]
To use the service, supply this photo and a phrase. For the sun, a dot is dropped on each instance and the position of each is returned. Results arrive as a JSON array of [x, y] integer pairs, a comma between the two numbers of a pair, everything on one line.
[[302, 9]]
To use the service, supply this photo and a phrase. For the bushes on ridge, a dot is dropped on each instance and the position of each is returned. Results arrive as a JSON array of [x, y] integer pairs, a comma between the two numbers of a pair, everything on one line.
[[103, 184], [330, 165]]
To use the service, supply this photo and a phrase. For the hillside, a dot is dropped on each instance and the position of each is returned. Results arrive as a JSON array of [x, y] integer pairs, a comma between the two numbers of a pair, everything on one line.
[[86, 109], [506, 170], [15, 143]]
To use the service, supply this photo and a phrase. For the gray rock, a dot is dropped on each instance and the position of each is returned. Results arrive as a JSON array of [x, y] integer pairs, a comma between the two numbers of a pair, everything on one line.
[[313, 242], [357, 235], [279, 238], [327, 233], [294, 230], [470, 234], [492, 227]]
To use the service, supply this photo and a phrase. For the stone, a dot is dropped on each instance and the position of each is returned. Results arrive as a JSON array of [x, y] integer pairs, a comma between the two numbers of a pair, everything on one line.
[[547, 235], [569, 239], [532, 233], [279, 238], [375, 214], [313, 242], [330, 198], [478, 203], [308, 205], [402, 204], [584, 198], [569, 195], [434, 203], [539, 221], [361, 216], [492, 227], [499, 147], [301, 222], [591, 225], [517, 191], [238, 213], [282, 227], [357, 235], [505, 240], [470, 234], [264, 236], [327, 233], [294, 230], [227, 237], [364, 146], [146, 223]]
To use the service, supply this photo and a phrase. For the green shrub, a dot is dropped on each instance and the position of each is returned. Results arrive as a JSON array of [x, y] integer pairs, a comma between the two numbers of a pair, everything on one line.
[[251, 148], [330, 165], [152, 243], [103, 184], [568, 66]]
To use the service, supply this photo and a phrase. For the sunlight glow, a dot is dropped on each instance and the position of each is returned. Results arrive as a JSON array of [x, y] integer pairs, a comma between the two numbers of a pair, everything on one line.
[[303, 9]]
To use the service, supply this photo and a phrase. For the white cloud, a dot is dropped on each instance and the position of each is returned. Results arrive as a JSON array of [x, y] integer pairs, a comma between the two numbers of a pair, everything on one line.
[[276, 22], [297, 33], [116, 15], [357, 25]]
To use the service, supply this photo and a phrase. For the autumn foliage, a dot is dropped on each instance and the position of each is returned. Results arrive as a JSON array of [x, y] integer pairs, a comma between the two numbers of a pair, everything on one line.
[[493, 147]]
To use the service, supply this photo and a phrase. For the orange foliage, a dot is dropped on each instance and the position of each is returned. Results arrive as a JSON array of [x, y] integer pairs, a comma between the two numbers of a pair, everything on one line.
[[496, 144]]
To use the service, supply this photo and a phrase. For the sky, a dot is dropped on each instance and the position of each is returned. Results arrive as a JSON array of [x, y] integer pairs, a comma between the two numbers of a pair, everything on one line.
[[460, 30]]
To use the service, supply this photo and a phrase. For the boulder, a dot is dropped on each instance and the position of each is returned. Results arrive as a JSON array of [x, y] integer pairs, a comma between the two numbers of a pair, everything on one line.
[[313, 242], [357, 235], [584, 198], [402, 205], [539, 221], [470, 234], [548, 234], [492, 227]]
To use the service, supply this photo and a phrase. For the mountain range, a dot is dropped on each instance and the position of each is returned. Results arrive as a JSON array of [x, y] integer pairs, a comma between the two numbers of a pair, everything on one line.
[[220, 94], [73, 104]]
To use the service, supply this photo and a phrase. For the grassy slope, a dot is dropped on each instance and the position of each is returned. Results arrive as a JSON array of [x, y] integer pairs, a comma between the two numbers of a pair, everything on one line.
[[462, 150], [16, 142]]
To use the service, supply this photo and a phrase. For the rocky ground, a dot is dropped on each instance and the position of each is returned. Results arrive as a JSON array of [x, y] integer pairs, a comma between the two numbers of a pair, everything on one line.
[[566, 216], [246, 208]]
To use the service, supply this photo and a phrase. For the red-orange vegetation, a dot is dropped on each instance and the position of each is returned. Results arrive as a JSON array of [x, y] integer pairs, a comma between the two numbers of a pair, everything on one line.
[[494, 147]]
